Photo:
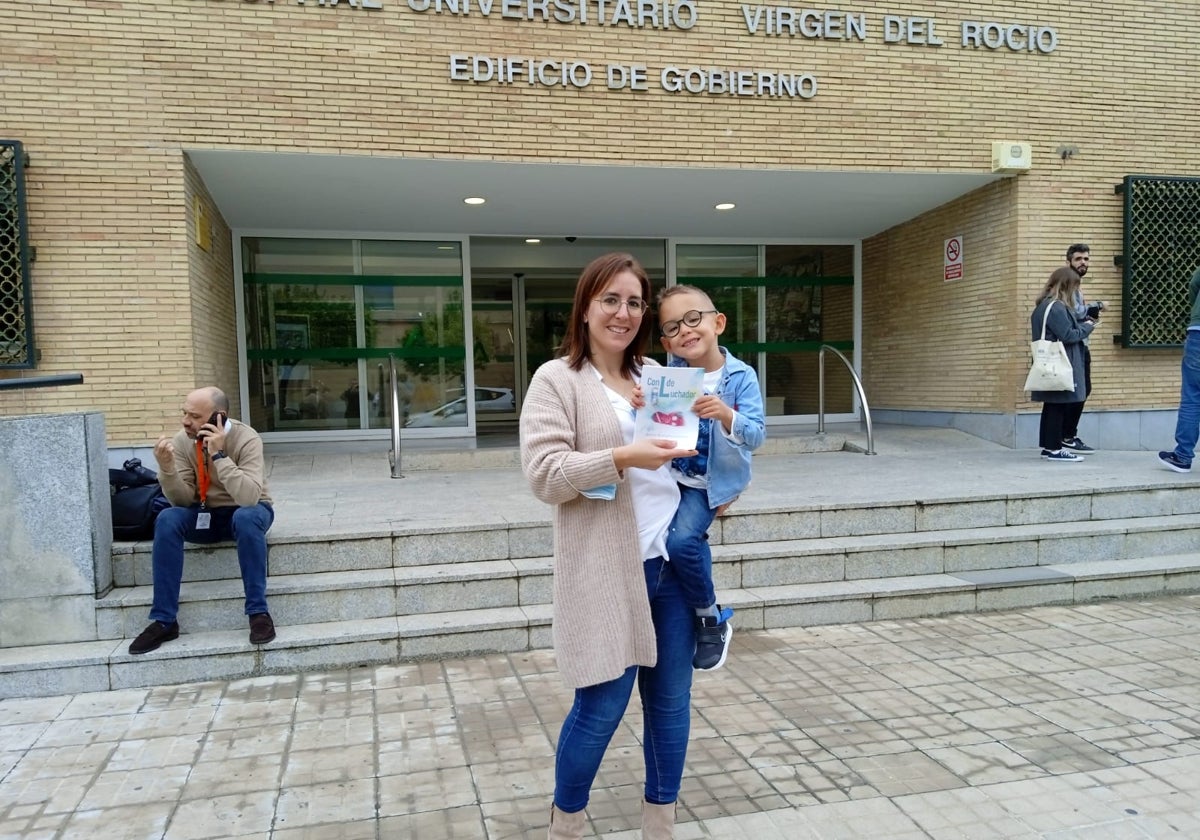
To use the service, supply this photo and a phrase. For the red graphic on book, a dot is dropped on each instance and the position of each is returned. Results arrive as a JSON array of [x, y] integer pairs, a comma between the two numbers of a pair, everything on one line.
[[663, 418]]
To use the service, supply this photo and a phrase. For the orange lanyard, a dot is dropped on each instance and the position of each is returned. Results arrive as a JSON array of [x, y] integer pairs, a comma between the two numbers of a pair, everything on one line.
[[202, 471]]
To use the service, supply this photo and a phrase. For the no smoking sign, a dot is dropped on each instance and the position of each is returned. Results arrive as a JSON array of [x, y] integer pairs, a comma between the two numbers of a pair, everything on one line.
[[953, 258]]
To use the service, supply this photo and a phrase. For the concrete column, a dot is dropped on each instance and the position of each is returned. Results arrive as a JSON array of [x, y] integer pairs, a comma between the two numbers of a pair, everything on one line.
[[55, 528]]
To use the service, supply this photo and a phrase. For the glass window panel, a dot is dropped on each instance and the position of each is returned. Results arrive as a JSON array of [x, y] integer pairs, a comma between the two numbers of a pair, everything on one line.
[[778, 322], [269, 255], [412, 303], [419, 313], [302, 392], [793, 311], [716, 261], [694, 263], [305, 318]]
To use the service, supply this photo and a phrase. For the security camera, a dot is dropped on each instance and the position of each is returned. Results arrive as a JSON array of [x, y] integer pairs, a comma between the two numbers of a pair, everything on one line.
[[572, 238]]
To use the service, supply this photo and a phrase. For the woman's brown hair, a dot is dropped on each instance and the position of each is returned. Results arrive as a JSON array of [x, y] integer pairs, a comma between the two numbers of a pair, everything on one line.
[[596, 276], [1061, 286]]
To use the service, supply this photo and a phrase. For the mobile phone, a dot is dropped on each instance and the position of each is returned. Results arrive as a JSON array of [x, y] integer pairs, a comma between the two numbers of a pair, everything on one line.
[[217, 421]]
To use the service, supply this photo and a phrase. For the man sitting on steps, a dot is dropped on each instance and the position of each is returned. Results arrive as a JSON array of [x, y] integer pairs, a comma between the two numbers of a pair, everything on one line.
[[212, 471]]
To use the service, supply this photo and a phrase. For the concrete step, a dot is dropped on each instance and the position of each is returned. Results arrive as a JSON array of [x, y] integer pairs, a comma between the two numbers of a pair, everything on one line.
[[301, 598], [226, 654], [502, 539], [340, 596]]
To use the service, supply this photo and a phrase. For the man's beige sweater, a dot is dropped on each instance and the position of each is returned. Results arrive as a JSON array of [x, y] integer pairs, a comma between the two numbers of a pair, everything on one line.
[[602, 621], [236, 479]]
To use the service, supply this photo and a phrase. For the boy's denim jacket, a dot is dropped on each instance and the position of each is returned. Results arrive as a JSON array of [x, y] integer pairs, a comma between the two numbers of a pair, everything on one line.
[[729, 462]]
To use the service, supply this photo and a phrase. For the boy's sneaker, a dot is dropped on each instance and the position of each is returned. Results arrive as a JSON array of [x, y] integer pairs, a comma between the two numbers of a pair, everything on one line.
[[712, 640], [1076, 445], [1060, 455], [1173, 462]]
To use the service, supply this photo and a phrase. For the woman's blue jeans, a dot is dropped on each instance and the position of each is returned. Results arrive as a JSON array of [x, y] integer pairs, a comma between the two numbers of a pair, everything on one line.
[[666, 692], [247, 526]]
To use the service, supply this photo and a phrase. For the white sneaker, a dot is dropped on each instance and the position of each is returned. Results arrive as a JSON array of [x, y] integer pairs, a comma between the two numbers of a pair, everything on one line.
[[1060, 455]]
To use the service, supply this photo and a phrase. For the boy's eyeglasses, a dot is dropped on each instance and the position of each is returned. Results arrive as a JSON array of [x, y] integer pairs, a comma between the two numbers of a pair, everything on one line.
[[611, 304], [691, 318]]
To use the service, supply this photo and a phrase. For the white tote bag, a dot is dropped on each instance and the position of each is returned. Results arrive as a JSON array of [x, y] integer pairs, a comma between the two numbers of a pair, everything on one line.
[[1051, 368]]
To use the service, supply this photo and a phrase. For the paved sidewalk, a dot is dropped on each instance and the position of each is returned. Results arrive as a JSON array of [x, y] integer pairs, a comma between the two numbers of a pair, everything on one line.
[[1053, 722]]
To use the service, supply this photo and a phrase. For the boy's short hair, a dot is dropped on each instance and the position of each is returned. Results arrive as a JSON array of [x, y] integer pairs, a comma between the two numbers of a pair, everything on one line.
[[682, 288]]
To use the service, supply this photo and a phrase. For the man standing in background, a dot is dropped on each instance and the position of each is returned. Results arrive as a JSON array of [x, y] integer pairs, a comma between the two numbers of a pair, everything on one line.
[[1079, 256]]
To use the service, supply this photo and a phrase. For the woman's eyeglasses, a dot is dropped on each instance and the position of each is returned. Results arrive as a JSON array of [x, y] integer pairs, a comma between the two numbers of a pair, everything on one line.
[[691, 318], [611, 304]]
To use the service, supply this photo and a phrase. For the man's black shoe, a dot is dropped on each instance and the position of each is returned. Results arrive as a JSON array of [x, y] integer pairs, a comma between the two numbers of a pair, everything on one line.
[[154, 635], [262, 629]]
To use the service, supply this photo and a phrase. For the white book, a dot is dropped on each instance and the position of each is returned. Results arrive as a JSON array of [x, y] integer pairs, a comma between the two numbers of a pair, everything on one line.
[[667, 414]]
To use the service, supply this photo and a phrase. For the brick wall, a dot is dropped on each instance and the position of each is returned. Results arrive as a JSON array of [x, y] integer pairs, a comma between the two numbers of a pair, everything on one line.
[[108, 96], [214, 319]]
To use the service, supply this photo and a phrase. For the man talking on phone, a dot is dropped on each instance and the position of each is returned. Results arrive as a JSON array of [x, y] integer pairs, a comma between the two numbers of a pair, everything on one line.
[[212, 472]]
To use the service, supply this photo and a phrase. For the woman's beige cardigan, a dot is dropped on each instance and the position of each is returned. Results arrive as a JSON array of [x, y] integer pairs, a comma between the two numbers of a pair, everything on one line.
[[602, 619]]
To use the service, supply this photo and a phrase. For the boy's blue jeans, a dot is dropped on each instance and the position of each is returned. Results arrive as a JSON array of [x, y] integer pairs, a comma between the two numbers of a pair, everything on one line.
[[687, 546], [1187, 422], [666, 692], [247, 526]]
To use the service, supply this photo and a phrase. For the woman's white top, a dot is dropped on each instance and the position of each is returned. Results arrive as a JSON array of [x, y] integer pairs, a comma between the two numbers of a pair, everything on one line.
[[655, 492]]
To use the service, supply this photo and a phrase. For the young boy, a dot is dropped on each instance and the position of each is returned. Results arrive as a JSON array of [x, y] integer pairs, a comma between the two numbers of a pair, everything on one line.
[[731, 427]]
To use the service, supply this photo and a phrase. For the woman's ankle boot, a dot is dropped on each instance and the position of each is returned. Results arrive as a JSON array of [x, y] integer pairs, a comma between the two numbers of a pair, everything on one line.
[[564, 826], [658, 821]]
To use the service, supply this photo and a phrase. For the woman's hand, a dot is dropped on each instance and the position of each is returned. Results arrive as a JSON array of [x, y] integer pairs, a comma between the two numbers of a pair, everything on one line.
[[648, 454]]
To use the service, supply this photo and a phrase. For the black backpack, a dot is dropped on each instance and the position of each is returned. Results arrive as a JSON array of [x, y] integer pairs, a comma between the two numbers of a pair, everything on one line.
[[137, 497]]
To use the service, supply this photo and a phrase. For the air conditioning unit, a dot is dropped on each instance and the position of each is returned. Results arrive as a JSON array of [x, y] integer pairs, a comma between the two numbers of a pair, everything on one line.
[[1009, 157]]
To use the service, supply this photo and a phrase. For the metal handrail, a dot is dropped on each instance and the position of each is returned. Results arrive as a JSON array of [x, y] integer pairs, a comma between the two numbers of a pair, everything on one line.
[[48, 381], [858, 386], [394, 452]]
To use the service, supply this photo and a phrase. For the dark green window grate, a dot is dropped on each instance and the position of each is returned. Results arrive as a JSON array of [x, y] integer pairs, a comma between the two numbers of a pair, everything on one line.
[[16, 320], [1161, 252]]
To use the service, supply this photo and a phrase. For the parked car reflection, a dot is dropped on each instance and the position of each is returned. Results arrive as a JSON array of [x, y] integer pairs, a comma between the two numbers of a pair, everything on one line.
[[454, 413]]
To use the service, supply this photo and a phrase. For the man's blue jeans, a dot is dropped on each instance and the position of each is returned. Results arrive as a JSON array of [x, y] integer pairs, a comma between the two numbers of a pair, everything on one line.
[[247, 526], [666, 692], [687, 546], [1187, 423]]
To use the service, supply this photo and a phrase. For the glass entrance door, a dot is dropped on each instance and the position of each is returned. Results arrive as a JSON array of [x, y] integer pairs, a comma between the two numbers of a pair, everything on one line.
[[521, 296], [519, 321]]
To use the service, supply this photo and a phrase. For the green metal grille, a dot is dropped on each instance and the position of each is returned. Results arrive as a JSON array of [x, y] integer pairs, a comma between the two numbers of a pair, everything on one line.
[[1161, 252], [16, 321]]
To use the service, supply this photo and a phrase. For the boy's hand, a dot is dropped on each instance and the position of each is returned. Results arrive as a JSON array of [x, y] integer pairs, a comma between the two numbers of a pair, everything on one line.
[[711, 406], [638, 400]]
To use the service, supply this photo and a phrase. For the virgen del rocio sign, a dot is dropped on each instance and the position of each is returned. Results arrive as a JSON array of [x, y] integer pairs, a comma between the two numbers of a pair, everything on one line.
[[761, 21]]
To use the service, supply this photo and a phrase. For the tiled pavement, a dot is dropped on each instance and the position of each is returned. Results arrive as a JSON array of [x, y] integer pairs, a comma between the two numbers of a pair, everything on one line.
[[1053, 722]]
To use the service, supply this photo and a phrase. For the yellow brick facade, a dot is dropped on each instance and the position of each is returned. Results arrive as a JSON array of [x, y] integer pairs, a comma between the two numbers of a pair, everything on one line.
[[108, 96]]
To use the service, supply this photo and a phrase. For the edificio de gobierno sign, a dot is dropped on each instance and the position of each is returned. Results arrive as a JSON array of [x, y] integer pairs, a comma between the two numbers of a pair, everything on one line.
[[766, 21]]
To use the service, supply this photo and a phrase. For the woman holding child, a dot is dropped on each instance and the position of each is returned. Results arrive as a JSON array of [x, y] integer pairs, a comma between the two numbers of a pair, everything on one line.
[[620, 616]]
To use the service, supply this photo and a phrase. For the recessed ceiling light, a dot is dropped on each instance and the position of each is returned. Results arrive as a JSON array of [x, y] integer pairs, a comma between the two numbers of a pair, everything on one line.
[[533, 241], [445, 247], [474, 200], [725, 205]]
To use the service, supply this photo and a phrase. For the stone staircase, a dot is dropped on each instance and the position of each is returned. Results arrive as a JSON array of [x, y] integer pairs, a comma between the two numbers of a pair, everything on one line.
[[437, 591]]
